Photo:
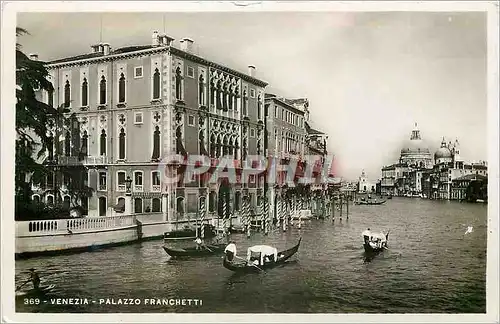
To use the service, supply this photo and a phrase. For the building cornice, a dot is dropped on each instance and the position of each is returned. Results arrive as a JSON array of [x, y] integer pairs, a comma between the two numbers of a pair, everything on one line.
[[281, 102], [156, 50]]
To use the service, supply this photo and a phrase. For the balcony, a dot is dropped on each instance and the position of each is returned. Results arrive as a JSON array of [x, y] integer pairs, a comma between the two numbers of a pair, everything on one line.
[[138, 188], [121, 187], [102, 187], [156, 188], [88, 160]]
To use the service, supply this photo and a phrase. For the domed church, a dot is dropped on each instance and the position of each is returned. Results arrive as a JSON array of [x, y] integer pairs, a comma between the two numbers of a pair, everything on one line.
[[448, 153], [415, 153]]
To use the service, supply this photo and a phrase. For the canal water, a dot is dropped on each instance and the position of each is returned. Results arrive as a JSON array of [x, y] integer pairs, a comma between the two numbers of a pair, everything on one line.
[[431, 266]]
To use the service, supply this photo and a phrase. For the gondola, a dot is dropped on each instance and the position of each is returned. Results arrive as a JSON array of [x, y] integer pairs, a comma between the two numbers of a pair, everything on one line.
[[42, 290], [243, 267], [189, 233], [194, 252], [369, 248], [370, 202]]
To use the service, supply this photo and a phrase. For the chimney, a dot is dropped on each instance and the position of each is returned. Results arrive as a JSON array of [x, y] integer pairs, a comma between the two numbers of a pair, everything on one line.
[[187, 44], [155, 38], [33, 57], [251, 70], [106, 48]]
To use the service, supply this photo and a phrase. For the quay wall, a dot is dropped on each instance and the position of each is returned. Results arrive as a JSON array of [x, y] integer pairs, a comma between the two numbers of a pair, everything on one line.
[[77, 234]]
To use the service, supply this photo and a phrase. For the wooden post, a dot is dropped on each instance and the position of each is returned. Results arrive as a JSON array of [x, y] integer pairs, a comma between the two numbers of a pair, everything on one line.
[[347, 207], [341, 206], [333, 209]]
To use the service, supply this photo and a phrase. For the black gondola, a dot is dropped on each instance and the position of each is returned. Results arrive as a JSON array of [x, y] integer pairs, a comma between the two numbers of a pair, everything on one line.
[[244, 267], [194, 252]]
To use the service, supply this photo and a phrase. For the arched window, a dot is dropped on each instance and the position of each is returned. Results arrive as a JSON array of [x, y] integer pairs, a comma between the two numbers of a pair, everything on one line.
[[121, 88], [225, 147], [180, 205], [102, 142], [50, 200], [178, 84], [36, 199], [85, 93], [224, 98], [156, 143], [103, 206], [67, 94], [230, 147], [156, 202], [102, 91], [138, 205], [66, 202], [156, 84], [235, 100], [218, 146], [84, 148], [50, 147], [201, 90], [230, 99], [213, 147], [212, 93], [236, 148], [244, 103], [259, 108], [67, 143], [121, 145]]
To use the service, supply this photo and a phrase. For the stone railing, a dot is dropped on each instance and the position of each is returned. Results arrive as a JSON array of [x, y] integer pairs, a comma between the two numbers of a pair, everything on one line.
[[73, 225]]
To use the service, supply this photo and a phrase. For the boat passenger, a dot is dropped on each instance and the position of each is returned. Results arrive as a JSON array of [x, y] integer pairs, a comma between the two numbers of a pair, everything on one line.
[[230, 250], [35, 278], [199, 243]]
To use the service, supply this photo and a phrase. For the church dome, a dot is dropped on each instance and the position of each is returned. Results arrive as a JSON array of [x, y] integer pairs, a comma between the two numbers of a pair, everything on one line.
[[415, 145], [443, 152]]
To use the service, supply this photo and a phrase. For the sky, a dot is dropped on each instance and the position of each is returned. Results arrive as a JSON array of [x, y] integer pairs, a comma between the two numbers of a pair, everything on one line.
[[369, 76]]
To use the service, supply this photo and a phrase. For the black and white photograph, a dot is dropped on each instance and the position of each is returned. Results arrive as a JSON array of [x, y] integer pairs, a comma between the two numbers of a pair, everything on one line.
[[250, 161]]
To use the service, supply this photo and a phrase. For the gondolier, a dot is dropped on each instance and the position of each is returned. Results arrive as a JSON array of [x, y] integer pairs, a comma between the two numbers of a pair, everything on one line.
[[34, 278], [230, 250]]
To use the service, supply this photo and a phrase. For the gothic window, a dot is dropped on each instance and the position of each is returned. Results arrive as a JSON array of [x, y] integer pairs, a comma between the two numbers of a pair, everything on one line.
[[67, 143], [219, 147], [102, 91], [103, 142], [219, 96], [235, 100], [212, 93], [156, 84], [178, 84], [236, 148], [225, 147], [201, 91], [237, 200], [121, 88], [259, 108], [224, 98], [156, 143], [85, 139], [85, 93], [212, 146], [244, 103], [121, 145], [50, 147], [67, 94]]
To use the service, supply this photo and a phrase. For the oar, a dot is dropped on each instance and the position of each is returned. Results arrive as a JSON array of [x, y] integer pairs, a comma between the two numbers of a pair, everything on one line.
[[23, 284], [206, 247], [248, 263]]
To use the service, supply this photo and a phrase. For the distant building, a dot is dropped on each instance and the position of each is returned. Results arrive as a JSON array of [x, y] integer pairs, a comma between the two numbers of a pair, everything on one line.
[[365, 185], [415, 153]]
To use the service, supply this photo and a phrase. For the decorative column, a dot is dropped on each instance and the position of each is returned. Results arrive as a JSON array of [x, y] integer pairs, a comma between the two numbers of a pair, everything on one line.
[[266, 215], [224, 214], [203, 211]]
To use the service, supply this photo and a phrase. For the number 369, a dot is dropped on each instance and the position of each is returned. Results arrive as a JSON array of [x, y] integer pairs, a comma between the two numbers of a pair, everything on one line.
[[31, 301]]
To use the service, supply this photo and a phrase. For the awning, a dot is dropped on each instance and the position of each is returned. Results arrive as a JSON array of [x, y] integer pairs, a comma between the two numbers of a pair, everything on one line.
[[120, 207]]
